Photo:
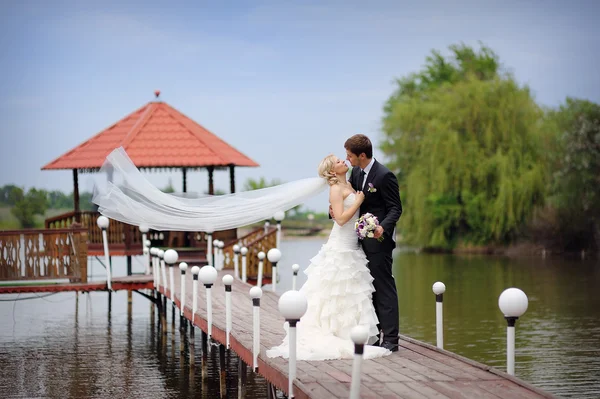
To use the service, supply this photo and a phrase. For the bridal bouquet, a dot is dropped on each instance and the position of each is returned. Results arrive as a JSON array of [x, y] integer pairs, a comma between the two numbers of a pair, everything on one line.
[[365, 226]]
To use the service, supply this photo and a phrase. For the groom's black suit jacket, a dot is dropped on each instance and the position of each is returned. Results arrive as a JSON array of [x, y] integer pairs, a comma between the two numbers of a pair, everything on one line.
[[384, 203]]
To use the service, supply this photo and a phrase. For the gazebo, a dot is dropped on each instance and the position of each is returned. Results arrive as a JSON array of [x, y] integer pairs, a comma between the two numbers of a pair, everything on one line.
[[156, 137]]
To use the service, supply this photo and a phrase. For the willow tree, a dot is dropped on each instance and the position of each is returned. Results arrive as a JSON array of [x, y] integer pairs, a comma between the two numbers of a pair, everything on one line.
[[576, 178], [463, 137]]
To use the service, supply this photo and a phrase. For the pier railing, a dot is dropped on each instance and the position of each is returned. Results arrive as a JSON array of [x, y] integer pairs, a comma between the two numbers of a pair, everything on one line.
[[256, 241], [41, 254]]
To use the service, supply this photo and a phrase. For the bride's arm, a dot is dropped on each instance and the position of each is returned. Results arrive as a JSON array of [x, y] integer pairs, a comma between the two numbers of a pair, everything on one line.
[[336, 199]]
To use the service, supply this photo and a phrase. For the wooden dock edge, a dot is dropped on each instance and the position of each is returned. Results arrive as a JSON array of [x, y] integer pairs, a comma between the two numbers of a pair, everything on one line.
[[480, 366]]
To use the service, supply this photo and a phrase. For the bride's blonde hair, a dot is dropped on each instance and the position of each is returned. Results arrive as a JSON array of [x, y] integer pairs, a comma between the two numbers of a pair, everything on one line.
[[326, 169]]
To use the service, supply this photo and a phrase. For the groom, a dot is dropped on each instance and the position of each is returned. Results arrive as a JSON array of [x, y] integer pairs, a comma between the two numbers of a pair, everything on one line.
[[382, 199]]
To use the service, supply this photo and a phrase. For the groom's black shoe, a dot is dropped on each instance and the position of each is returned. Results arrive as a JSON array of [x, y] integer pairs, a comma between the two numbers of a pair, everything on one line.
[[378, 342], [390, 346]]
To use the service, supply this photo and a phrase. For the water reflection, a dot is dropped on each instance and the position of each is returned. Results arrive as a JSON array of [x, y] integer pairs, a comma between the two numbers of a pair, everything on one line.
[[101, 345]]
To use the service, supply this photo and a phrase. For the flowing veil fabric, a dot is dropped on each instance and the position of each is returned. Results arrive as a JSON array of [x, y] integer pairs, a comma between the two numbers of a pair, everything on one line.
[[136, 201]]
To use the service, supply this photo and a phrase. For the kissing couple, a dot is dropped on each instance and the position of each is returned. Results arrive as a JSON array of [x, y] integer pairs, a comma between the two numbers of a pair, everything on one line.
[[350, 281]]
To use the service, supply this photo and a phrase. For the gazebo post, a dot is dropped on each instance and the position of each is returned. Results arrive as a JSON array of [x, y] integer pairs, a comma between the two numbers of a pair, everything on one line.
[[211, 184], [232, 178], [184, 172], [76, 196]]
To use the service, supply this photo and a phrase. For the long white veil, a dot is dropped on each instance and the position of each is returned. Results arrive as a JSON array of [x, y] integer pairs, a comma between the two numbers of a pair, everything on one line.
[[137, 202]]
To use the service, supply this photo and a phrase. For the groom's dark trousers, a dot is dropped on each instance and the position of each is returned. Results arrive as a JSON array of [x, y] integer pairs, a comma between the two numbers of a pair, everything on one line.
[[382, 199]]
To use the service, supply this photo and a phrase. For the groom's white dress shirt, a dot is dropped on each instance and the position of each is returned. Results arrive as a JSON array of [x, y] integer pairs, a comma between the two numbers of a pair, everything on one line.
[[367, 169]]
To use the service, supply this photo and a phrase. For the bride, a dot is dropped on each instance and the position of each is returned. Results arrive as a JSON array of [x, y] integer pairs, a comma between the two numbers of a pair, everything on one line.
[[339, 285]]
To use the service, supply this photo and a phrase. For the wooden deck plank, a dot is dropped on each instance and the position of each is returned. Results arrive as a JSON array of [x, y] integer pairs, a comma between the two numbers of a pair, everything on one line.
[[417, 370]]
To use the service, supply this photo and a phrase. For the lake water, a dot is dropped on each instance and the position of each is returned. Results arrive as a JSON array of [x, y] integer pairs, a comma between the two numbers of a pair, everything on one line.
[[65, 345]]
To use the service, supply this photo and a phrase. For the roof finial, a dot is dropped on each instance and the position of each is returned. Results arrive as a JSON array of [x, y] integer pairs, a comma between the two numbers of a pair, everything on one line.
[[157, 93]]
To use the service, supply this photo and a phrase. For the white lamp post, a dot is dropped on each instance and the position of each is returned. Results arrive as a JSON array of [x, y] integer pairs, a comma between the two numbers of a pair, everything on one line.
[[163, 269], [274, 255], [438, 289], [295, 269], [261, 257], [144, 230], [236, 259], [153, 257], [215, 254], [148, 244], [209, 245], [171, 257], [255, 294], [359, 336], [103, 224], [513, 303], [227, 281], [292, 305], [183, 267], [195, 271], [279, 216], [221, 256], [267, 225], [208, 275], [244, 252]]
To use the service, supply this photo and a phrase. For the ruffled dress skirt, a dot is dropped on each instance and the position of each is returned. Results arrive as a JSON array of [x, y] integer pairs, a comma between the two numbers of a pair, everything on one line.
[[339, 292]]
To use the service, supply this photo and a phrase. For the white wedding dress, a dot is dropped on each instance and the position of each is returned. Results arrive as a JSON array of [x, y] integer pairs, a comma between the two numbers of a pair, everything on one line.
[[339, 291]]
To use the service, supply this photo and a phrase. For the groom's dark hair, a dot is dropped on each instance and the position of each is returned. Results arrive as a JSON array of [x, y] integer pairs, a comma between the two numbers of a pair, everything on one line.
[[358, 144]]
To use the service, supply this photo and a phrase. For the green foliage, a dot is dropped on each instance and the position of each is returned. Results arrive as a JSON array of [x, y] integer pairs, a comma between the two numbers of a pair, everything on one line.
[[169, 188], [26, 206], [256, 184], [576, 166], [464, 140]]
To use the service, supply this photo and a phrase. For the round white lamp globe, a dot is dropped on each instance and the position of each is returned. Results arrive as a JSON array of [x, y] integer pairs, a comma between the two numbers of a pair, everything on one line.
[[171, 256], [439, 288], [274, 255], [183, 266], [279, 216], [244, 250], [236, 249], [227, 279], [295, 267], [359, 335], [261, 255], [513, 302], [161, 254], [102, 222], [292, 305], [208, 275], [144, 228], [255, 292], [195, 270]]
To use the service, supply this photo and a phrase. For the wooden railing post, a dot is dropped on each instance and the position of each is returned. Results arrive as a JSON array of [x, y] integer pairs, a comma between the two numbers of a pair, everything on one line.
[[82, 254]]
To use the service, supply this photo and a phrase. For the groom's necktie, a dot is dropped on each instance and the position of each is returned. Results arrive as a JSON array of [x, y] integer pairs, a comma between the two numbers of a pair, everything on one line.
[[361, 180]]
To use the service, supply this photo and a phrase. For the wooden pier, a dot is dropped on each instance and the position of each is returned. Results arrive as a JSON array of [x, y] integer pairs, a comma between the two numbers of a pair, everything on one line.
[[135, 282], [417, 370]]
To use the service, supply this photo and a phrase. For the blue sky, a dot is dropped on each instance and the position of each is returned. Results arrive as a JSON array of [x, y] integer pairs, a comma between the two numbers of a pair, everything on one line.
[[286, 82]]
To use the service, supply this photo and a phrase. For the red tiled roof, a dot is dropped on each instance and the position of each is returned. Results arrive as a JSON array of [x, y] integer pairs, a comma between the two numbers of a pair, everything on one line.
[[156, 135]]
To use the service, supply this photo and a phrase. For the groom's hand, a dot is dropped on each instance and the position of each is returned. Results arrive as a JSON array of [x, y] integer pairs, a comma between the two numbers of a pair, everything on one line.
[[378, 232]]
